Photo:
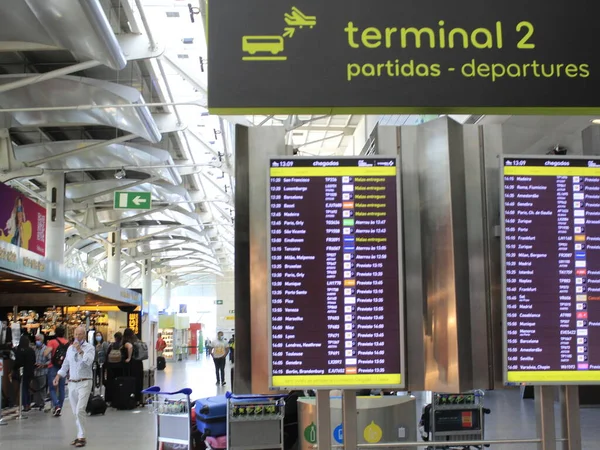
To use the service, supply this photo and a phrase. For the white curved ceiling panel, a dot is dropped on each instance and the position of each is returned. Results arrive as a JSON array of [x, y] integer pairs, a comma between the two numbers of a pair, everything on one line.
[[70, 91], [79, 26], [160, 191], [142, 158]]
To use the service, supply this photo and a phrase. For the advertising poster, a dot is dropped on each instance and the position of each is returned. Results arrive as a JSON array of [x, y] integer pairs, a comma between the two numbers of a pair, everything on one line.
[[22, 221]]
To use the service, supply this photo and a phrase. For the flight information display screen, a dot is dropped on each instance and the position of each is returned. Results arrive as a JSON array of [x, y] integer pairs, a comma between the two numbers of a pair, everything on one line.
[[336, 302], [552, 269]]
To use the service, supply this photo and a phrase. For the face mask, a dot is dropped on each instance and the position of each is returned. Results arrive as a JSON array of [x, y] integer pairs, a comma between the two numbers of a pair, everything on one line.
[[38, 344], [98, 338]]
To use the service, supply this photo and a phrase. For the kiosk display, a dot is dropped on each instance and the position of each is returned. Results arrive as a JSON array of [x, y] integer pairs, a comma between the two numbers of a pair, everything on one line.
[[335, 286], [551, 241]]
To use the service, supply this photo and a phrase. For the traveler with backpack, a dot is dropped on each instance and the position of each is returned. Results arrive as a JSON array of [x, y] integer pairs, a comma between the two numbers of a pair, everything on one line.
[[115, 356], [59, 346], [137, 351]]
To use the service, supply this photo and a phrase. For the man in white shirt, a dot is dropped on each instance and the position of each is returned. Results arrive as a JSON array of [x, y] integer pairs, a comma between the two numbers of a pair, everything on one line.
[[219, 351], [78, 365]]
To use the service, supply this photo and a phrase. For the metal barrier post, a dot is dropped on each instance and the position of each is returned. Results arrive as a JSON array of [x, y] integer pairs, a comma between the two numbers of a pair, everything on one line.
[[2, 421], [21, 416], [349, 420], [570, 420], [323, 419], [544, 416]]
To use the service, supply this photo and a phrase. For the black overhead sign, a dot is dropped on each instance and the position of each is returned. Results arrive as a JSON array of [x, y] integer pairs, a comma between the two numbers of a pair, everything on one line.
[[404, 56]]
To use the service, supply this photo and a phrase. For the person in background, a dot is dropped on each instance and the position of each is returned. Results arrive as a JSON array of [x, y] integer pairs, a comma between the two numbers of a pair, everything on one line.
[[40, 375], [219, 350], [231, 348], [136, 368], [57, 393], [101, 353], [78, 366], [114, 364], [160, 345], [24, 359], [207, 346]]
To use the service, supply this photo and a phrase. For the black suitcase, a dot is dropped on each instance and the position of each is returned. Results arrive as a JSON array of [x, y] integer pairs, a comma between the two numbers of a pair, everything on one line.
[[96, 404], [124, 393], [161, 363]]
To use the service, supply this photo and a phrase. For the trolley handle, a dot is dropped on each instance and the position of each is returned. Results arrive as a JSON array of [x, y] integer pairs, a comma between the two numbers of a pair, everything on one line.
[[253, 396], [155, 390]]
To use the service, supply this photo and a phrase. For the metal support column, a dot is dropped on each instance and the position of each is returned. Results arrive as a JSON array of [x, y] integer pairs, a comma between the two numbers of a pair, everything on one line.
[[544, 416], [146, 301], [168, 292], [55, 217], [324, 420], [113, 255], [570, 417], [350, 420]]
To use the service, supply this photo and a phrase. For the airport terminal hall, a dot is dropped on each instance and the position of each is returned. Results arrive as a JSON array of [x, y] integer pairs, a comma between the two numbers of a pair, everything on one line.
[[299, 225]]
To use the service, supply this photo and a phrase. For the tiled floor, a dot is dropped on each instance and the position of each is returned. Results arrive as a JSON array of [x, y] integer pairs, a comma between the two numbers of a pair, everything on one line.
[[134, 430]]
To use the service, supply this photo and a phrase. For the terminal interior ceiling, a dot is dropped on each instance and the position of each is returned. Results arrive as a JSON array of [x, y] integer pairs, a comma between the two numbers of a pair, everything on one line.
[[112, 94]]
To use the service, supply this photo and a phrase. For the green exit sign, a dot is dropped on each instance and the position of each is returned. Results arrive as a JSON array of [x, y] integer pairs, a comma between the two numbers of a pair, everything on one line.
[[133, 200], [218, 302]]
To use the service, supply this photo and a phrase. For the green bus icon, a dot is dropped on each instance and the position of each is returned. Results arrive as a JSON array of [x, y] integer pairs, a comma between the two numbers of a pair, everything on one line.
[[262, 44]]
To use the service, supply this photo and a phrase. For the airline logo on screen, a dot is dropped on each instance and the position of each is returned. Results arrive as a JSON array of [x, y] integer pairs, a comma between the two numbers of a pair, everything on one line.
[[552, 270]]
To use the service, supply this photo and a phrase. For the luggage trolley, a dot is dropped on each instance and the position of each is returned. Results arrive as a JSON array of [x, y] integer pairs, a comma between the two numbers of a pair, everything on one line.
[[173, 418], [255, 422], [454, 417]]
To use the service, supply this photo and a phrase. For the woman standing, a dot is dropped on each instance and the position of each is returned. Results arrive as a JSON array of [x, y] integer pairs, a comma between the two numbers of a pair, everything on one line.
[[135, 367], [115, 356], [25, 359], [19, 220], [100, 360]]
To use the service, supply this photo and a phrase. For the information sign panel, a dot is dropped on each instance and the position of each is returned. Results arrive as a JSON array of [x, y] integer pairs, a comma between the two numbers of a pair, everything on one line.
[[335, 292], [384, 57], [551, 260]]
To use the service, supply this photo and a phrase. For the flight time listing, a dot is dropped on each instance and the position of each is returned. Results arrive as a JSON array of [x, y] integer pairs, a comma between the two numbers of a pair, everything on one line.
[[335, 299], [552, 270]]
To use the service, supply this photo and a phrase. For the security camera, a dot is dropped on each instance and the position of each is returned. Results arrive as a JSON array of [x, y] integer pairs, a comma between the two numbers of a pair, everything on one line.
[[558, 150]]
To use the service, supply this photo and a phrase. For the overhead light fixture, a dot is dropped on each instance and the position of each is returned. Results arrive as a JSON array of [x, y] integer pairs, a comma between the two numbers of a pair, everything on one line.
[[596, 121], [120, 174]]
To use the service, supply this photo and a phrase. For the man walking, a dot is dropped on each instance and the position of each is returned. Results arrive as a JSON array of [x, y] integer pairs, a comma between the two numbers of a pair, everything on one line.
[[219, 351], [58, 350], [160, 345], [78, 366]]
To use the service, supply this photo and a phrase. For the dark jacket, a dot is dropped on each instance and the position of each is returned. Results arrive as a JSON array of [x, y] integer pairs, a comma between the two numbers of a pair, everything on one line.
[[25, 358]]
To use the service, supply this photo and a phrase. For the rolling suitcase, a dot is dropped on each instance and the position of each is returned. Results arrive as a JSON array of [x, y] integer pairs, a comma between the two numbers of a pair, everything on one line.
[[211, 415], [96, 404], [124, 393], [147, 382], [161, 363]]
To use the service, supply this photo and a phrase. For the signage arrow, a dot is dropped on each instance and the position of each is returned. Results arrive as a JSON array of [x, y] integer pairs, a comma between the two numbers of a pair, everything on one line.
[[289, 32], [138, 200]]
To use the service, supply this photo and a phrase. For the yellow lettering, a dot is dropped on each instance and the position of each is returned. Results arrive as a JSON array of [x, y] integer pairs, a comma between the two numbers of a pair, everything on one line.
[[488, 40], [368, 70], [417, 33], [353, 71], [461, 32], [351, 29], [389, 33], [371, 37]]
